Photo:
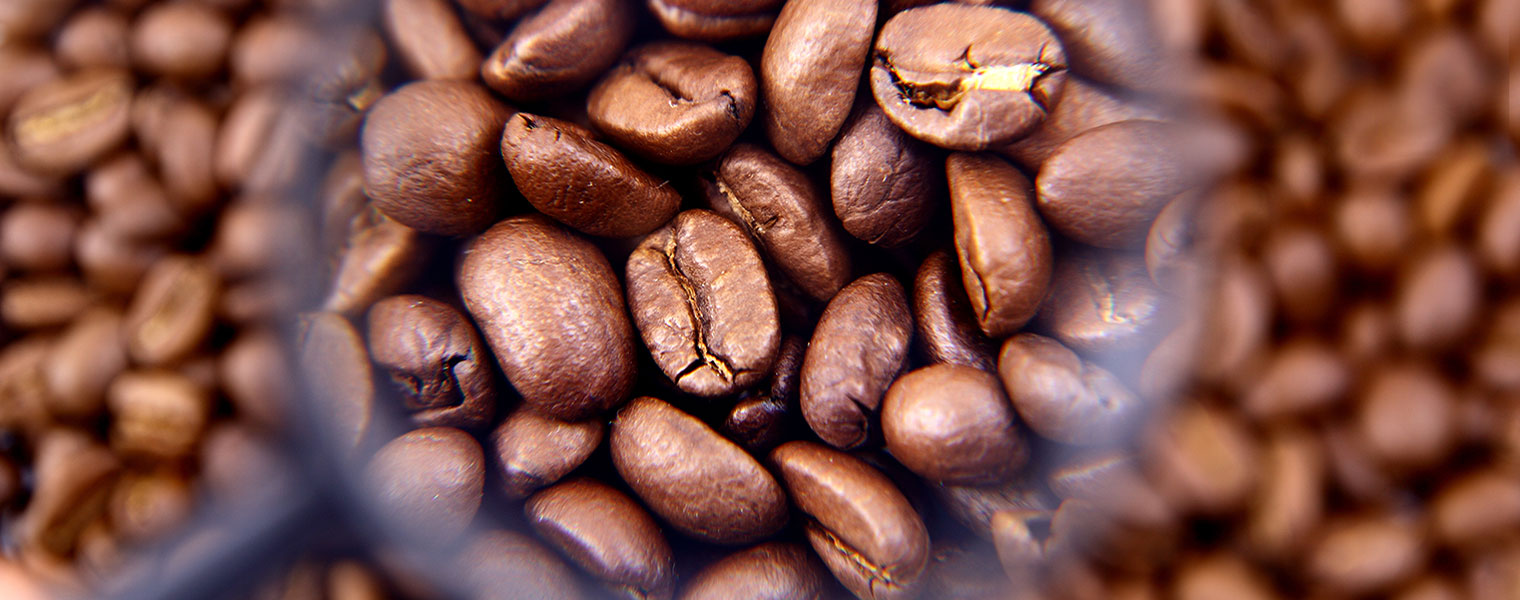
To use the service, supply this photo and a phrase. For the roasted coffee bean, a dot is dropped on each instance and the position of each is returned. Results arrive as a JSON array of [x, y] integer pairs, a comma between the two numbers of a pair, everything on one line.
[[186, 40], [1170, 246], [782, 210], [1362, 554], [342, 89], [1104, 305], [700, 483], [436, 358], [65, 125], [37, 237], [975, 506], [1382, 136], [1289, 505], [88, 355], [1478, 509], [882, 181], [28, 67], [499, 9], [1084, 196], [607, 534], [255, 375], [946, 327], [274, 48], [1304, 376], [860, 524], [428, 481], [760, 422], [157, 414], [703, 303], [1222, 576], [240, 248], [186, 164], [380, 256], [1202, 459], [129, 201], [675, 102], [1438, 298], [967, 77], [431, 157], [552, 310], [770, 571], [560, 48], [10, 481], [31, 18], [94, 37], [809, 72], [147, 505], [172, 311], [952, 424], [581, 182], [534, 451], [1407, 417], [42, 302], [710, 20], [1499, 228], [1301, 265], [1063, 397], [338, 377], [73, 476], [506, 565], [1107, 40], [430, 39], [1003, 248], [858, 348], [1084, 105]]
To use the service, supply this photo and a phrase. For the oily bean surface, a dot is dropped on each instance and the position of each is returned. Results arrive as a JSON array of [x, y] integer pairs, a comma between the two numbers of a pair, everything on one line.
[[606, 533], [858, 348], [1105, 186], [719, 20], [943, 320], [882, 182], [773, 570], [1003, 248], [952, 424], [533, 451], [561, 47], [1061, 396], [809, 73]]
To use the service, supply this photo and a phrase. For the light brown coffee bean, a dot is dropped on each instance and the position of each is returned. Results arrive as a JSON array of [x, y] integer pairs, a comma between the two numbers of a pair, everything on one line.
[[37, 237], [428, 482], [1202, 458], [147, 505], [1476, 510], [1301, 264], [953, 425], [534, 451], [73, 476], [186, 40], [41, 302], [1406, 416], [1222, 576], [88, 355], [65, 125], [256, 377], [506, 565], [1003, 248], [338, 378], [274, 48], [1438, 298], [157, 414], [1304, 376], [1373, 227], [1364, 554], [129, 201], [1289, 505], [1498, 244], [172, 312], [94, 37]]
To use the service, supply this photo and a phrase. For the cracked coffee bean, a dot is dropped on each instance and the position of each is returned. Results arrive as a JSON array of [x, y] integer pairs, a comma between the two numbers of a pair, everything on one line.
[[438, 359]]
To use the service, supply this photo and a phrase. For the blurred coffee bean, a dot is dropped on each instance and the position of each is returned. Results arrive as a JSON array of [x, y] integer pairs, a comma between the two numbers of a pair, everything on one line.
[[1084, 105], [256, 377], [1104, 305], [430, 39], [809, 73], [158, 414], [1438, 298], [1304, 376], [1406, 415], [88, 355], [1003, 248], [338, 378], [952, 424], [273, 48], [379, 257], [186, 40], [1373, 227], [1061, 396], [64, 125], [1301, 265], [130, 201], [946, 327], [534, 451], [186, 164], [172, 311], [1082, 171], [37, 237], [1289, 504], [1107, 40], [94, 37], [858, 348], [882, 182], [148, 505], [1477, 509], [499, 9], [1385, 136], [1170, 245], [72, 478], [559, 48], [428, 481], [976, 506], [1498, 244], [715, 96], [1204, 459], [42, 302], [1222, 576], [607, 534], [710, 20], [506, 565], [769, 571], [1357, 555], [436, 358]]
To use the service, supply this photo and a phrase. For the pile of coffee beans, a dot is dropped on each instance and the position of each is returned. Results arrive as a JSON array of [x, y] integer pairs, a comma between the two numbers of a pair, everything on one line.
[[1350, 427], [750, 299]]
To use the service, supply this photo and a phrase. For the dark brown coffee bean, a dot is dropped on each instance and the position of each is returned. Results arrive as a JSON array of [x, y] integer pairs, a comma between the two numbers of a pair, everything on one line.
[[506, 565], [431, 157], [607, 534], [967, 77], [428, 481], [859, 347], [1063, 397], [94, 37], [1438, 298], [860, 524], [1085, 196], [703, 303], [499, 9], [953, 425], [770, 571], [72, 477], [882, 181], [37, 237], [1108, 40], [759, 422], [1084, 105], [1357, 555], [780, 207], [185, 40], [1407, 417], [430, 40], [559, 48], [552, 310], [809, 72], [711, 20], [172, 311], [88, 355], [157, 414], [1104, 305], [1003, 248], [581, 182], [1290, 502], [946, 327], [534, 451], [700, 483], [338, 378], [65, 125], [436, 358], [675, 102]]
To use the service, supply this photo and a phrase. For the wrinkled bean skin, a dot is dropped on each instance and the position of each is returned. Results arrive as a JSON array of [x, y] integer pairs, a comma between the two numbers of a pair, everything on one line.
[[859, 346], [882, 181], [1105, 186], [560, 48], [769, 571], [702, 301], [946, 327], [700, 483], [711, 21], [1061, 396], [437, 359], [581, 182], [714, 100], [429, 480], [534, 451], [967, 77], [809, 73], [953, 425], [860, 524], [608, 534], [1004, 251]]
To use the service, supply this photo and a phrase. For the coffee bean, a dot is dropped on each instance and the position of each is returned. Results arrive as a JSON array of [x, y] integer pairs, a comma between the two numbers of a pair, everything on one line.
[[42, 302], [702, 301], [275, 48], [32, 18], [976, 506], [186, 164], [428, 481], [946, 327], [243, 145], [967, 77], [781, 209], [715, 20], [67, 124], [1104, 305], [581, 182], [1107, 40], [380, 257], [700, 483], [129, 201], [1362, 554], [186, 40], [761, 421], [858, 348], [559, 48], [1203, 459], [769, 571], [1063, 397], [256, 377], [1019, 551], [534, 451], [143, 506], [497, 557], [860, 524], [29, 67], [172, 311], [430, 39], [882, 181], [1170, 245], [73, 475], [431, 157], [952, 424], [37, 237], [1082, 171], [157, 414], [436, 358], [500, 9], [675, 102], [1498, 243], [88, 355], [1240, 315], [343, 88], [1478, 509], [1305, 376], [1222, 576], [809, 72], [1438, 298], [94, 37], [1382, 136], [338, 377], [552, 310], [1003, 248], [1407, 417], [1289, 505], [607, 534], [1084, 105]]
